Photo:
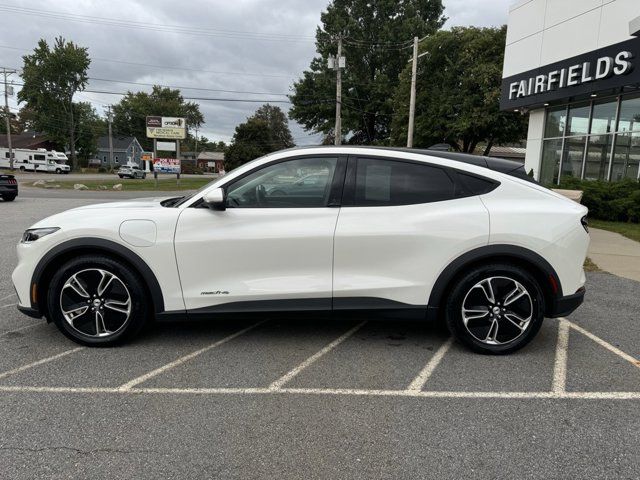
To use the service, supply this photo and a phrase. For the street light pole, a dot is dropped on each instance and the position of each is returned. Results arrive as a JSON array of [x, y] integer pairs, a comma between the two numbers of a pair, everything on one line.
[[412, 101]]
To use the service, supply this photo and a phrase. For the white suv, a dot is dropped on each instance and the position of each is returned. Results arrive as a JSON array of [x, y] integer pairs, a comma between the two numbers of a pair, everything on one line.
[[469, 240], [131, 171]]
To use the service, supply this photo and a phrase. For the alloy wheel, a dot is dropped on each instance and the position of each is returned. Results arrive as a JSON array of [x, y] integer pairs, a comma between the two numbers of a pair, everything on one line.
[[497, 310], [95, 303]]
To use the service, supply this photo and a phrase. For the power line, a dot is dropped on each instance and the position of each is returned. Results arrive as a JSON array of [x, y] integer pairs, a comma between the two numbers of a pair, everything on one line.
[[155, 27], [204, 99], [171, 67]]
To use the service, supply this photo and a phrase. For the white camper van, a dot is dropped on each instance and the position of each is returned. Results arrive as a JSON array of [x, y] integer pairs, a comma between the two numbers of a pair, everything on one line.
[[40, 160]]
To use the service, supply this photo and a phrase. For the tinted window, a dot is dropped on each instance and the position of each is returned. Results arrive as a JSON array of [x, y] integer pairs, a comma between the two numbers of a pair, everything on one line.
[[39, 157], [304, 182], [388, 182], [476, 185]]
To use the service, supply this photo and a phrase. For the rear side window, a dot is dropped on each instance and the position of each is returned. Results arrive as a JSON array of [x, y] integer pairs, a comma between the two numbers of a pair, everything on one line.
[[473, 185], [388, 182]]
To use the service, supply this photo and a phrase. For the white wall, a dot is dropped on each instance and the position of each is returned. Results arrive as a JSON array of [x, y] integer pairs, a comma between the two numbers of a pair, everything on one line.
[[541, 32]]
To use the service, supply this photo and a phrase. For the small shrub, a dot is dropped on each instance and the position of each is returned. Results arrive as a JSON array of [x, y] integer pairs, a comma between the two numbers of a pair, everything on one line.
[[612, 201]]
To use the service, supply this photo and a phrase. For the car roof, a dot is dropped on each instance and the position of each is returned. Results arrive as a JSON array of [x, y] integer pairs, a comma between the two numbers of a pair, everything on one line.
[[508, 167]]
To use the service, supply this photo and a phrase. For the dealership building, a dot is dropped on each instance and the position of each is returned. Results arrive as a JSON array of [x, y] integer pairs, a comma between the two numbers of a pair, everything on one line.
[[573, 66]]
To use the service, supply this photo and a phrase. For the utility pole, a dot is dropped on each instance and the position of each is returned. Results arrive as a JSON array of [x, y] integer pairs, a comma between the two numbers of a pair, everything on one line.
[[338, 129], [7, 114], [196, 140], [110, 120], [412, 101], [338, 63]]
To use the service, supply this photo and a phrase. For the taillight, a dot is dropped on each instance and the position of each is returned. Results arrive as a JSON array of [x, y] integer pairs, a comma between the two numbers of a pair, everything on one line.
[[585, 224]]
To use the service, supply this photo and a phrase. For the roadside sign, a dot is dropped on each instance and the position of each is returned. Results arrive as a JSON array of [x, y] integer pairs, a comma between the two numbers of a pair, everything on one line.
[[170, 128], [166, 146], [166, 165]]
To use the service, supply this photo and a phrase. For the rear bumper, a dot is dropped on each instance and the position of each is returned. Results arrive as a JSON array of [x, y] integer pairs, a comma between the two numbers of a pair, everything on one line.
[[564, 306]]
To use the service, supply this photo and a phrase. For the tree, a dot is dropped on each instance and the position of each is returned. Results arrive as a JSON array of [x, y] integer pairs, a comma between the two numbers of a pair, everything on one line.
[[51, 77], [264, 132], [276, 120], [458, 93], [131, 112], [377, 37], [89, 127]]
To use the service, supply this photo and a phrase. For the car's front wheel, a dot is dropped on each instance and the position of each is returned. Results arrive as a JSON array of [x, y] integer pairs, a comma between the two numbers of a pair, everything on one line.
[[495, 309], [97, 301]]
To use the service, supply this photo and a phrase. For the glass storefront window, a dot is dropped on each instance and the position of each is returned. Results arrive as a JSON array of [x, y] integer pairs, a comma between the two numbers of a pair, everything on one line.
[[598, 154], [578, 140], [579, 119], [551, 153], [629, 114], [556, 121], [604, 117], [573, 157], [626, 156]]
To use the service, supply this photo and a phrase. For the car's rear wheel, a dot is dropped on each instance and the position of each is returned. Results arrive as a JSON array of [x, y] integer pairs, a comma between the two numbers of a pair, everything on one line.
[[8, 198], [495, 309], [97, 301]]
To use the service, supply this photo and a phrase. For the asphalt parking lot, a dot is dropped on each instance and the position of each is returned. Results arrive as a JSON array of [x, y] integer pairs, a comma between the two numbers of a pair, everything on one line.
[[317, 397]]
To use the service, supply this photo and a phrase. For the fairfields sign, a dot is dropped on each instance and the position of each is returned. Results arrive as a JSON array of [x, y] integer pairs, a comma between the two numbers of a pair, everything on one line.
[[601, 70]]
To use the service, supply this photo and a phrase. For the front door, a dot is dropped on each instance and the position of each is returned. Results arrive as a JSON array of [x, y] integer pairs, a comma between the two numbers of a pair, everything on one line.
[[272, 248]]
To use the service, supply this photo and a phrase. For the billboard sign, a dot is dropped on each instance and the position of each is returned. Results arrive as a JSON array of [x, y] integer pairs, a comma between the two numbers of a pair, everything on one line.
[[166, 165], [170, 128]]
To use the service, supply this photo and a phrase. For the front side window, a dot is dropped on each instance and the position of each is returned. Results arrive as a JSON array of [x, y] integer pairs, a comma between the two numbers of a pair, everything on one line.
[[388, 182], [304, 182]]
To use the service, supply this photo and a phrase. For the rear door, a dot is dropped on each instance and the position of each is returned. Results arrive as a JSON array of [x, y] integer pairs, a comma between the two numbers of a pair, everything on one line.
[[401, 223]]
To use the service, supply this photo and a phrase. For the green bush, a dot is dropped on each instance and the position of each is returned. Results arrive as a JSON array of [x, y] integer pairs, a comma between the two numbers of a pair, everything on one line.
[[612, 201]]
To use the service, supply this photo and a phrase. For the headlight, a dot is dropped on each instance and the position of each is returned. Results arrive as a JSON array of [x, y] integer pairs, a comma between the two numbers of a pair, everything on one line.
[[34, 234]]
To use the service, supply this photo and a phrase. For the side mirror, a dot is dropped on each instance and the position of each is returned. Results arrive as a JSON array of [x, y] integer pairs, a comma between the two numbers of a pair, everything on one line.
[[215, 199]]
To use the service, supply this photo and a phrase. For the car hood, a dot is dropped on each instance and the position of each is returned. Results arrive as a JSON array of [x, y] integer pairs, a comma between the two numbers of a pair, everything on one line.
[[134, 203], [106, 212]]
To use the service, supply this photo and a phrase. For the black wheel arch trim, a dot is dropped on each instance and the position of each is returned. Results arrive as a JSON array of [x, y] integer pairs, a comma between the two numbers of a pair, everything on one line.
[[104, 246], [487, 252]]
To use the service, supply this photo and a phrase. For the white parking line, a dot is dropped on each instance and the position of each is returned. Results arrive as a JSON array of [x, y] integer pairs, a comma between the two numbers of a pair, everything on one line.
[[327, 391], [143, 378], [21, 328], [633, 361], [418, 383], [8, 305], [39, 362], [560, 365], [288, 376], [8, 296]]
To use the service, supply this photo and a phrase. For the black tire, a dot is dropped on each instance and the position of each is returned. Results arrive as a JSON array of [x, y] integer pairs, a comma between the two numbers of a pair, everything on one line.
[[501, 275], [22, 169], [58, 171], [9, 198], [123, 329]]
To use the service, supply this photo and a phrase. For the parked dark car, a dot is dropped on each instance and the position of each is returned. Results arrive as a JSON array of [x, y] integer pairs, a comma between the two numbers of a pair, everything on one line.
[[8, 187]]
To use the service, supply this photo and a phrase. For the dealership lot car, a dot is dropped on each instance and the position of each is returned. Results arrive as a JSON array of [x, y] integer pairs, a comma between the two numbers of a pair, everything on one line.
[[8, 187], [467, 239], [131, 171]]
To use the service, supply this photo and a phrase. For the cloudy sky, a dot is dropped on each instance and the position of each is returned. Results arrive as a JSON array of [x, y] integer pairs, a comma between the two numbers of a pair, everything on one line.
[[240, 49]]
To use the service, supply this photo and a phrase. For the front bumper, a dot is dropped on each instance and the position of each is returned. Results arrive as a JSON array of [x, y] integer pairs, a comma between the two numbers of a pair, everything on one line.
[[564, 306], [30, 312]]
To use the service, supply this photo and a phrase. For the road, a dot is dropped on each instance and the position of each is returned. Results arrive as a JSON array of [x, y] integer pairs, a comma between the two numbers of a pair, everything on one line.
[[33, 176], [317, 398]]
